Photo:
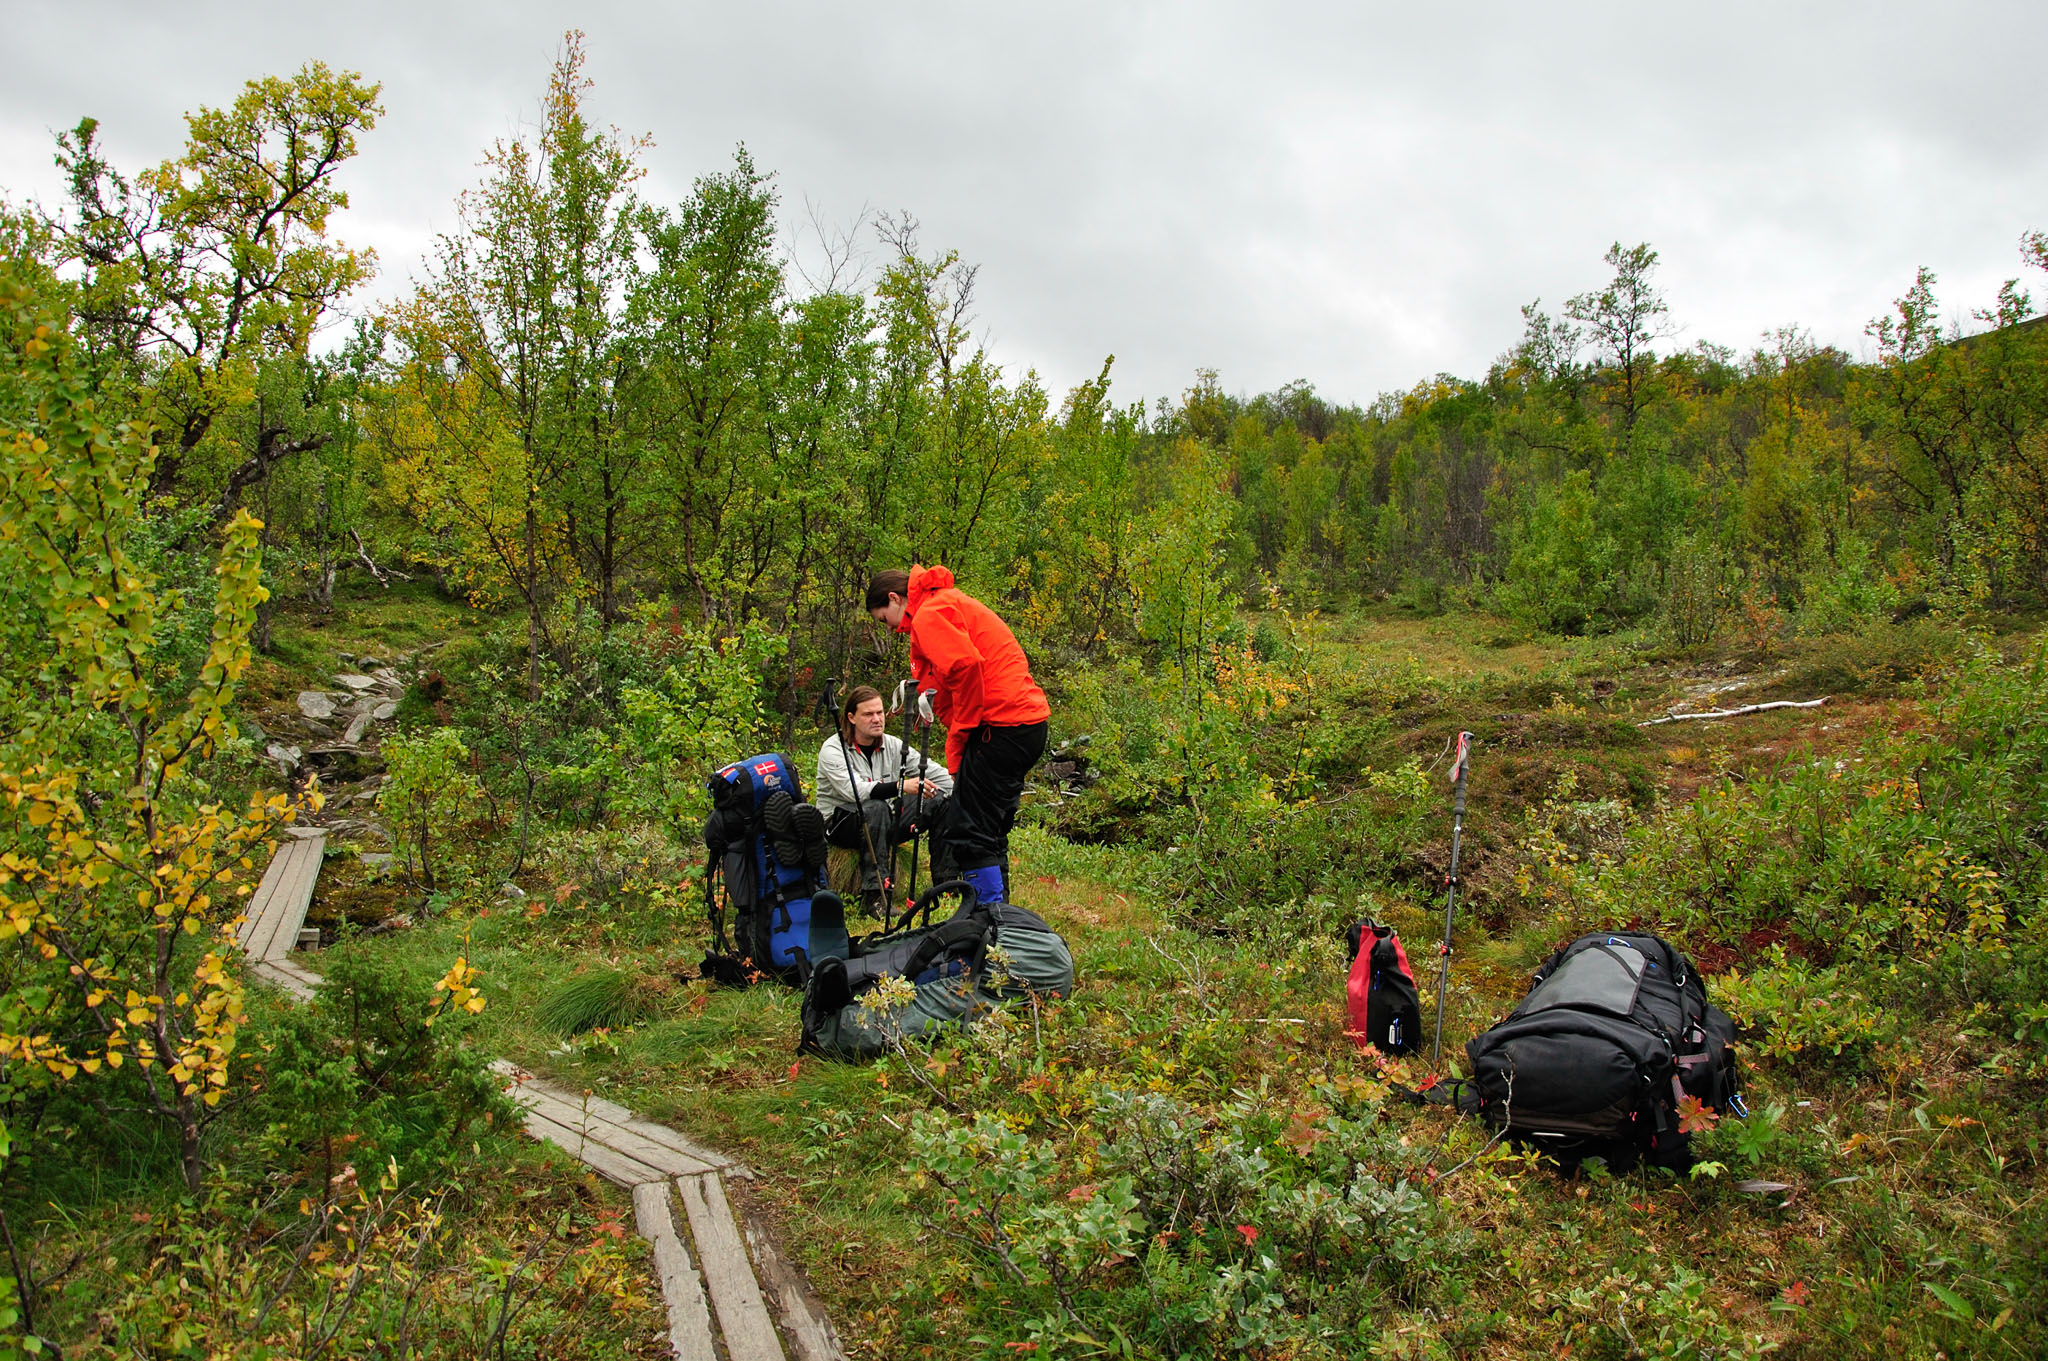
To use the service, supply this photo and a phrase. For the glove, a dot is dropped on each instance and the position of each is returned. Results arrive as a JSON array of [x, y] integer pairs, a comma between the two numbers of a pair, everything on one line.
[[924, 706]]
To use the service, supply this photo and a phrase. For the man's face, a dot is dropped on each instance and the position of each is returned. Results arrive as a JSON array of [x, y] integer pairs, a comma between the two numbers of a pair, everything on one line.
[[891, 613], [869, 720]]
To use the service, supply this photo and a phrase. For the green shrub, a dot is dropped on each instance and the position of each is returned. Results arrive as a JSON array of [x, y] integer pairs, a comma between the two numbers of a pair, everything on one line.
[[428, 796], [1274, 871], [1788, 1007], [369, 1072], [1848, 593], [1256, 1225], [1880, 658], [1698, 593]]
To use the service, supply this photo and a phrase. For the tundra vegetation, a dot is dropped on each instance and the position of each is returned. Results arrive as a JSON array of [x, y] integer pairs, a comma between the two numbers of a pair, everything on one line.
[[598, 497]]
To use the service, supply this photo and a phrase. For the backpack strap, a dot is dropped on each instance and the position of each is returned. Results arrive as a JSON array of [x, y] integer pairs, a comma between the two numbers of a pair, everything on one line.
[[711, 905], [1458, 1093], [964, 934]]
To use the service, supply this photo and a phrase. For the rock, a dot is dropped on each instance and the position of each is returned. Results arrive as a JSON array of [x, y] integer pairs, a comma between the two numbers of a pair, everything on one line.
[[378, 860], [386, 711], [287, 758], [389, 677], [511, 892], [359, 827], [342, 763], [316, 704], [355, 682], [357, 726]]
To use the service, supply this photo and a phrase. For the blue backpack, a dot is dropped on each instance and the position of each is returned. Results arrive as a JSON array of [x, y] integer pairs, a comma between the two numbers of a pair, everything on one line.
[[767, 892]]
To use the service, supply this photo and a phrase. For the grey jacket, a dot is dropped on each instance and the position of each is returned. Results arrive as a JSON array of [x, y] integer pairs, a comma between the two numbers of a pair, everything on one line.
[[838, 788]]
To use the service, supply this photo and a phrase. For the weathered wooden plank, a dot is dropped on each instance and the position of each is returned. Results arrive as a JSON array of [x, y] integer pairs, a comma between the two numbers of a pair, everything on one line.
[[300, 897], [742, 1314], [799, 1317], [278, 907], [590, 1126], [688, 1147], [613, 1113], [292, 979], [608, 1163], [289, 859], [689, 1316], [256, 915]]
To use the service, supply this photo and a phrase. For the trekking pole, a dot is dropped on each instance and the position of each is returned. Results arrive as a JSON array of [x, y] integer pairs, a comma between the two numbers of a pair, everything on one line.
[[860, 810], [901, 705], [923, 757], [1460, 768]]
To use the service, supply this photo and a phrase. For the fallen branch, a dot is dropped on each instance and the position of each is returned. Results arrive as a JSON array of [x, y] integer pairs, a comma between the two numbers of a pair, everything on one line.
[[363, 552], [1737, 713]]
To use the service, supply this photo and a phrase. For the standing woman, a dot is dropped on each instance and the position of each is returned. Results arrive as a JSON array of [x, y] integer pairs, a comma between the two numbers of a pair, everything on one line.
[[974, 678]]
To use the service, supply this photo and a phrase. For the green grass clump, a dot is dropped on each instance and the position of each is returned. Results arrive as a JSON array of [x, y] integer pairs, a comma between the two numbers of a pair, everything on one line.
[[596, 999]]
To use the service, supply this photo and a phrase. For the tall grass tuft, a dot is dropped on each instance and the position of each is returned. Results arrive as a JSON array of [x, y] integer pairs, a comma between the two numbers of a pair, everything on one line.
[[595, 998]]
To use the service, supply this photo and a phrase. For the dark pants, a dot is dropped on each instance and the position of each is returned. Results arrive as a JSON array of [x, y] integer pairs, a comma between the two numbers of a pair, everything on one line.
[[986, 789], [890, 822]]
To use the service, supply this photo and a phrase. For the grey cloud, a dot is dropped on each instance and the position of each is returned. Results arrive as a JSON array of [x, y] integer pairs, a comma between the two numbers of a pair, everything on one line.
[[1361, 195]]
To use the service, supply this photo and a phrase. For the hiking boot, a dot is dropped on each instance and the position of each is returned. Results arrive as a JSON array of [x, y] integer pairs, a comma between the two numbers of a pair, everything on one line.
[[807, 824], [779, 821], [829, 989]]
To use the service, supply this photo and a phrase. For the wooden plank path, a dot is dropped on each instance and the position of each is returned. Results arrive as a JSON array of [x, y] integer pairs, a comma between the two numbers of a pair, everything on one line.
[[277, 909], [731, 1295], [735, 1287]]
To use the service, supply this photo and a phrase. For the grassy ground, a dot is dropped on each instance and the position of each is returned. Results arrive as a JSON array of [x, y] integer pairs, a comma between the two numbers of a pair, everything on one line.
[[1906, 1177], [1891, 1177]]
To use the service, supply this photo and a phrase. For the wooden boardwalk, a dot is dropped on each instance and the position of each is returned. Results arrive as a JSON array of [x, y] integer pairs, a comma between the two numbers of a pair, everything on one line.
[[277, 910], [731, 1295], [735, 1286]]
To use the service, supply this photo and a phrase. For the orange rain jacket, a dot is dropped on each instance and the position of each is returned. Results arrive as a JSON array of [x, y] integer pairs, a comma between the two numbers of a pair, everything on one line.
[[961, 649]]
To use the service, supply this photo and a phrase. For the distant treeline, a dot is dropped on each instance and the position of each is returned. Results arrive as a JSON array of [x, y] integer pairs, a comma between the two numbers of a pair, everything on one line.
[[1588, 481]]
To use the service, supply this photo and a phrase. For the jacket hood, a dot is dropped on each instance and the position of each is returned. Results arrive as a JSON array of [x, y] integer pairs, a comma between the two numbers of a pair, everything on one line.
[[924, 583]]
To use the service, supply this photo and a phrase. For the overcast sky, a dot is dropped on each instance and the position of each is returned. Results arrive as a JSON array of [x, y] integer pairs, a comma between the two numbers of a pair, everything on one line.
[[1360, 195]]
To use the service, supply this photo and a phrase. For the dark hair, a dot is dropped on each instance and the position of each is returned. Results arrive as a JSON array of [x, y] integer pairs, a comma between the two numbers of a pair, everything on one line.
[[882, 585], [857, 696]]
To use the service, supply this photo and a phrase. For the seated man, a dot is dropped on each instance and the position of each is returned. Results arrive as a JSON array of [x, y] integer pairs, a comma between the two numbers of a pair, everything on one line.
[[869, 789]]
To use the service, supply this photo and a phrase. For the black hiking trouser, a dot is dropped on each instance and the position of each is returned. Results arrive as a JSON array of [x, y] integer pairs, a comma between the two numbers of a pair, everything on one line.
[[986, 790], [889, 822]]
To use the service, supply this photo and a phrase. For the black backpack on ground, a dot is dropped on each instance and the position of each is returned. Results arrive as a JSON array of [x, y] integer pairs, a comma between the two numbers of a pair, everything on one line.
[[1614, 1033], [961, 966]]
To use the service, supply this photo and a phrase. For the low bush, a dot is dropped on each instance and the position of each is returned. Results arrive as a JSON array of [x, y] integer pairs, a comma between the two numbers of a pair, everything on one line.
[[1182, 1230], [1878, 659], [374, 1071]]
